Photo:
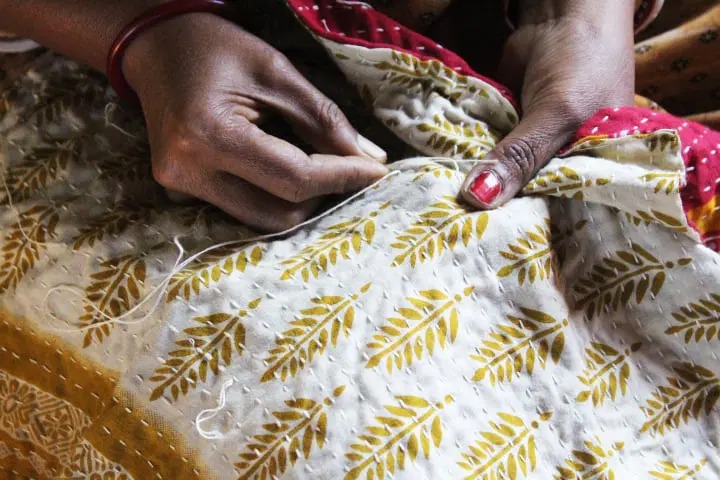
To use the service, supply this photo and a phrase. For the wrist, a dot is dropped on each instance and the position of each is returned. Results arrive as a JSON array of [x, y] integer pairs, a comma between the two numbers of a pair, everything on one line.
[[155, 20], [145, 56], [533, 12]]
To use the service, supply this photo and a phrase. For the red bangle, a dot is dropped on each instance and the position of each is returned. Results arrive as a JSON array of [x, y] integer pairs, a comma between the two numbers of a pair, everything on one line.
[[147, 19]]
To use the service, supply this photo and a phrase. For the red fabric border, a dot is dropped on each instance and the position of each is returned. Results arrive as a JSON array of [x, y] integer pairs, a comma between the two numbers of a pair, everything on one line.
[[700, 148], [356, 23]]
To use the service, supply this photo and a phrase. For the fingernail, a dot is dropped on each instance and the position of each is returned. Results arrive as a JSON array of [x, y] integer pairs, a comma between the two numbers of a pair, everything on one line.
[[371, 150], [486, 187]]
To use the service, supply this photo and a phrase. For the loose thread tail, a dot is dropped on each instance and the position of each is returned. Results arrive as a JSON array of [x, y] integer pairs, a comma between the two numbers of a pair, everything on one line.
[[210, 413], [109, 110], [159, 289], [11, 205]]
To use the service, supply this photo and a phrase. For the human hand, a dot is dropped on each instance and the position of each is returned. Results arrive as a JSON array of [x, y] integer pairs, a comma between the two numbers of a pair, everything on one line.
[[568, 58], [205, 86]]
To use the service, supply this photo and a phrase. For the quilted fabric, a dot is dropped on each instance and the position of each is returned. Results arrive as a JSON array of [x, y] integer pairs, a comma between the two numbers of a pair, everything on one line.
[[570, 334]]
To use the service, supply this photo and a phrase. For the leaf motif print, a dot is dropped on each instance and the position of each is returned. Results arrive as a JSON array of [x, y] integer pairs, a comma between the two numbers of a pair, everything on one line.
[[439, 228], [656, 216], [563, 182], [674, 471], [662, 141], [589, 464], [112, 292], [23, 243], [606, 373], [621, 278], [339, 242], [668, 183], [292, 435], [212, 341], [130, 166], [697, 321], [42, 166], [436, 171], [693, 390], [114, 222], [72, 94], [508, 450], [410, 428], [308, 336], [531, 255], [405, 70], [211, 268], [458, 140], [431, 320], [520, 345]]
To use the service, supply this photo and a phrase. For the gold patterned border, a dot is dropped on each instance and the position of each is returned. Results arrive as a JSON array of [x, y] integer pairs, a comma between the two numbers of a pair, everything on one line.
[[123, 430]]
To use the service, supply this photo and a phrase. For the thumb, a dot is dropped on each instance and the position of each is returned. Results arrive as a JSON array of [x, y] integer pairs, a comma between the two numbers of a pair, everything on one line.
[[516, 159]]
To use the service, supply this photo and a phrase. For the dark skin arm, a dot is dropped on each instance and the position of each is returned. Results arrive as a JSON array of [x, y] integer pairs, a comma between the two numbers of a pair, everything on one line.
[[86, 31], [205, 85]]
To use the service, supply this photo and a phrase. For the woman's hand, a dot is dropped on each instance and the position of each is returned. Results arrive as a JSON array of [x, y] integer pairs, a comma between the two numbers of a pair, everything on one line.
[[205, 85], [568, 58]]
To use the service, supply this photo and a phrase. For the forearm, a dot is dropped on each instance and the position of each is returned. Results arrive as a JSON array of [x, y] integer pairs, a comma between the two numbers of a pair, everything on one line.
[[81, 29]]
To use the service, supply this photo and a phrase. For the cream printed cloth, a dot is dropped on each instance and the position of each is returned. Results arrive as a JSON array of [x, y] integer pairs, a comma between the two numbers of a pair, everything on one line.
[[571, 334]]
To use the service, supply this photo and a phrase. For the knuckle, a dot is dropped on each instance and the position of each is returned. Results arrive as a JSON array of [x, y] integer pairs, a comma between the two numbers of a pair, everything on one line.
[[330, 116], [167, 173], [521, 156], [168, 167], [286, 220], [225, 130], [350, 181], [300, 181], [277, 65]]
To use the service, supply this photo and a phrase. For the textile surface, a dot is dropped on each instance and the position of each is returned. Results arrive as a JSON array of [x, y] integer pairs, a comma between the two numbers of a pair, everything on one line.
[[570, 334]]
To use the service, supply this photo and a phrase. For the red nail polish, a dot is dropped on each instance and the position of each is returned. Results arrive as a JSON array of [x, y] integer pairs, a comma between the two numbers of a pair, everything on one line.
[[486, 187]]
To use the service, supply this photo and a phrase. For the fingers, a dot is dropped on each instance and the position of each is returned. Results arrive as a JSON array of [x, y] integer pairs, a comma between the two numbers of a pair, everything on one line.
[[287, 172], [316, 118], [259, 179], [253, 206], [517, 158]]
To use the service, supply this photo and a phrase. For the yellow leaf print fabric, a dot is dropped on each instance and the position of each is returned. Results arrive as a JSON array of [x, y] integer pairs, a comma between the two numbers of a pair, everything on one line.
[[570, 334]]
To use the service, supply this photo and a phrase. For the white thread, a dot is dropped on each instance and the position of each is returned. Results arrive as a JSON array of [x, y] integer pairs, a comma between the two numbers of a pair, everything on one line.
[[109, 110], [210, 413], [180, 266], [109, 319], [10, 203]]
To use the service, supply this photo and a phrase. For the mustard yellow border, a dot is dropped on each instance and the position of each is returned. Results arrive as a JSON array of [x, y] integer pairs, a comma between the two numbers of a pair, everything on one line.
[[123, 430]]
